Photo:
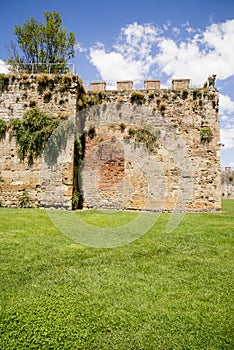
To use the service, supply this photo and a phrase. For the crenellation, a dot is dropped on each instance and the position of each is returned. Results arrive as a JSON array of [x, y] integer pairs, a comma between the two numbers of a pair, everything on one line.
[[180, 83], [98, 86], [151, 84], [124, 85]]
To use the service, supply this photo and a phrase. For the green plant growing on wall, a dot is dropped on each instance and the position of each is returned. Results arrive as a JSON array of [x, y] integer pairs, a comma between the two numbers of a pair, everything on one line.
[[65, 82], [4, 81], [92, 132], [120, 99], [151, 96], [32, 103], [32, 133], [184, 94], [79, 147], [119, 102], [162, 106], [137, 97], [145, 137], [47, 97], [48, 81], [122, 127], [75, 199], [3, 129], [24, 200], [89, 100], [206, 134]]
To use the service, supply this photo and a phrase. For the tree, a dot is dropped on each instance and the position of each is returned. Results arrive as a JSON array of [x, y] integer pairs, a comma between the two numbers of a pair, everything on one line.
[[43, 45]]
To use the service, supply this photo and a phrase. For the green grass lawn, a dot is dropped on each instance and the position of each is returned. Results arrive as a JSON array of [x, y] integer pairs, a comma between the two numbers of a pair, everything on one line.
[[163, 291]]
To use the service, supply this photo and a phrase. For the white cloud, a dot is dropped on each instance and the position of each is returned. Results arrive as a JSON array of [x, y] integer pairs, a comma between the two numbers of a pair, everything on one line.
[[181, 61], [114, 66], [3, 67], [137, 39], [143, 48], [131, 56], [175, 30], [224, 118], [188, 27], [226, 109], [226, 105], [227, 137], [166, 25], [206, 53]]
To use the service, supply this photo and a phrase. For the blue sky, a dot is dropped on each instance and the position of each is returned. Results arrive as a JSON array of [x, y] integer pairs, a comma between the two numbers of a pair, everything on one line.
[[145, 39]]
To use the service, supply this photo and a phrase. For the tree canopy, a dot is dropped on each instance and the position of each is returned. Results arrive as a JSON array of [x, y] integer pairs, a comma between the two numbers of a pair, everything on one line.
[[43, 44]]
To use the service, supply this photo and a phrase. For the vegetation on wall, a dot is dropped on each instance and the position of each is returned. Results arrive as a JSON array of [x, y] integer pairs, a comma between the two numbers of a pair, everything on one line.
[[92, 132], [145, 137], [206, 134], [162, 107], [61, 82], [24, 200], [32, 132], [4, 81], [137, 97], [87, 100], [79, 147], [122, 127], [3, 129]]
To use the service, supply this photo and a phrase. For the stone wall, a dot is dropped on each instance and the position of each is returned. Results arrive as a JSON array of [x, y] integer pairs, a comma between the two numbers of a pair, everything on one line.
[[154, 149], [54, 95], [227, 179], [17, 177], [181, 171]]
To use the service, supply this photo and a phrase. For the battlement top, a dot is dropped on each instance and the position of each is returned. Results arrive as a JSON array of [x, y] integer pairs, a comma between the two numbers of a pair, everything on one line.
[[148, 85]]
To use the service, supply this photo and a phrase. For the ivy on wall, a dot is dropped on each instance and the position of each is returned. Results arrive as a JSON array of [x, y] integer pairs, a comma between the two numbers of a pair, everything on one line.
[[3, 129], [32, 133], [79, 148], [4, 81]]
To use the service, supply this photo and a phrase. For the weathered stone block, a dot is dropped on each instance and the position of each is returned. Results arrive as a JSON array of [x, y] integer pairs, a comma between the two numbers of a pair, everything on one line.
[[151, 84], [98, 86], [180, 83], [124, 85]]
